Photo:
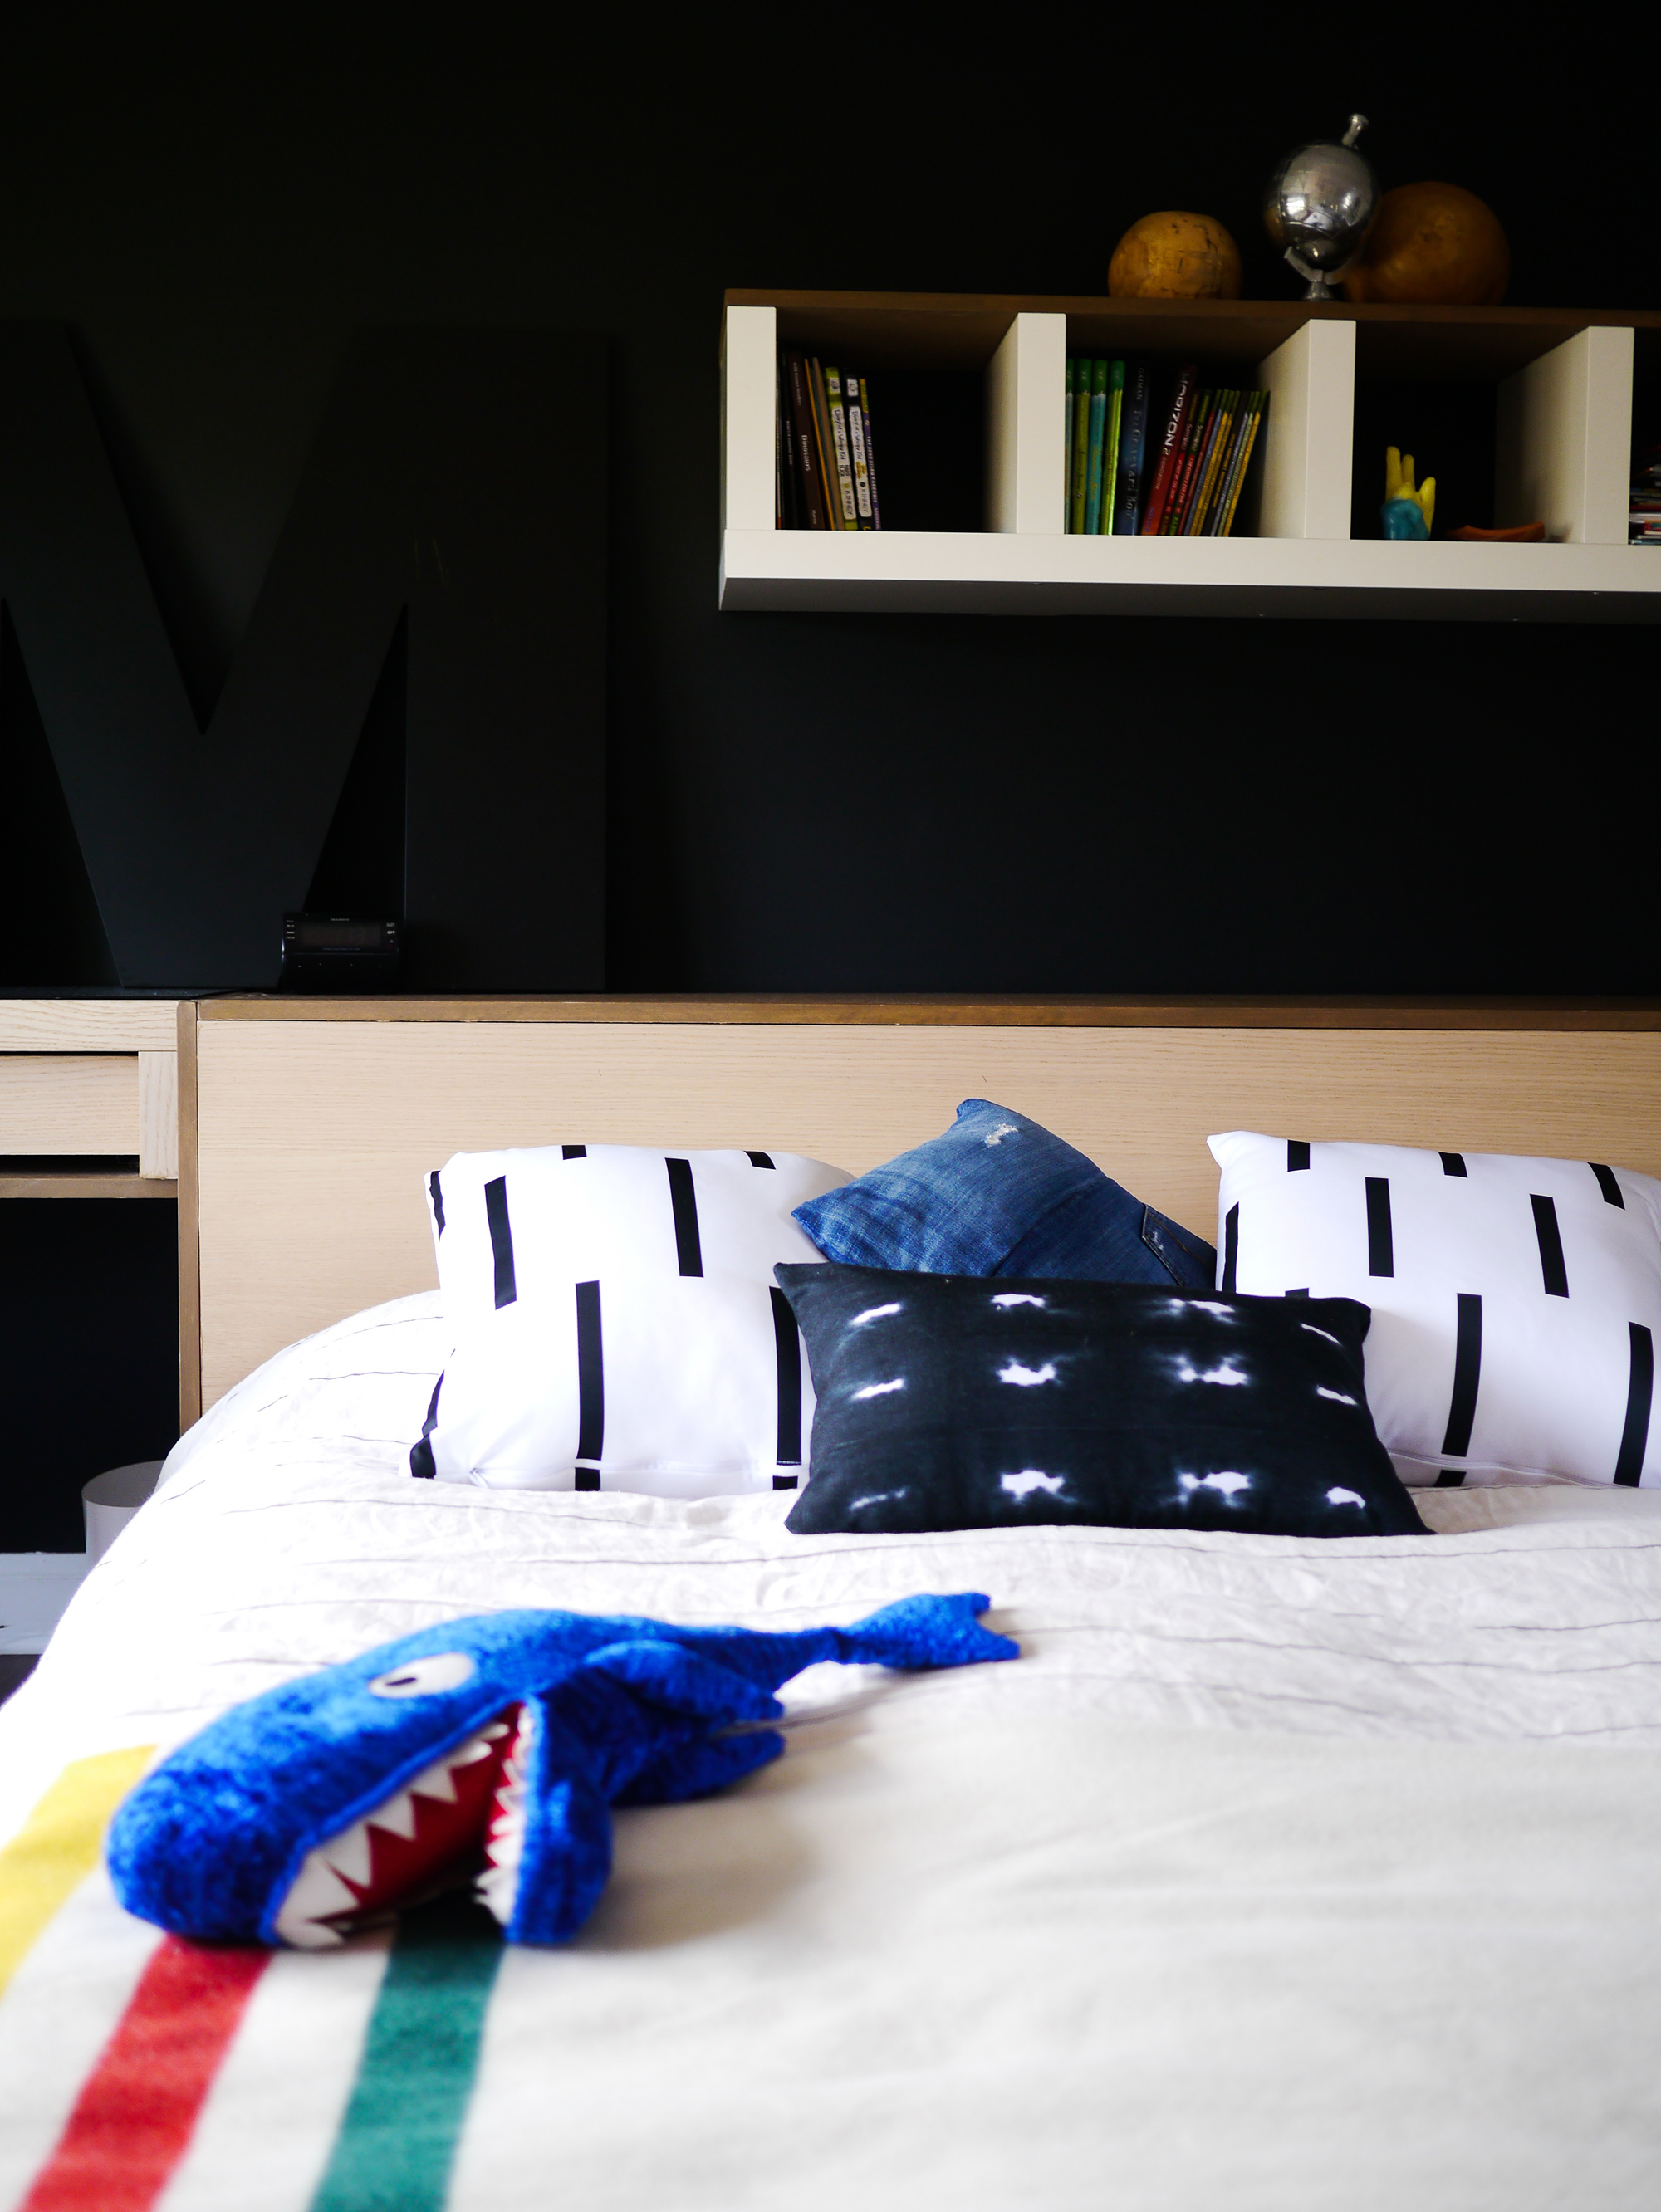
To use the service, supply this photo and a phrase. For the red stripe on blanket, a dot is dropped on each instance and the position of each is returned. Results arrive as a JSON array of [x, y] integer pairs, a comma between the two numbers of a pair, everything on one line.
[[139, 2105]]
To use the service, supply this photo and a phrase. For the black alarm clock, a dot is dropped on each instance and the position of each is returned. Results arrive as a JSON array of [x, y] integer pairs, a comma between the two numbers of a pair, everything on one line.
[[340, 952]]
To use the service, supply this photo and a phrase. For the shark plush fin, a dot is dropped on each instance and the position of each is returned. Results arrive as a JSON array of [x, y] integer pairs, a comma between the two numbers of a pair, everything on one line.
[[926, 1631], [677, 1681]]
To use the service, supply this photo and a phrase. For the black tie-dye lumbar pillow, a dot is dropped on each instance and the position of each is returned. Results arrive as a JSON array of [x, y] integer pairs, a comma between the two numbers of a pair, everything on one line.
[[956, 1402]]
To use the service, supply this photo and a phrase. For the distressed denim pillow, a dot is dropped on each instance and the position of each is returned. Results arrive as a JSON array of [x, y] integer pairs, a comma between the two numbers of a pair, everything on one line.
[[997, 1194]]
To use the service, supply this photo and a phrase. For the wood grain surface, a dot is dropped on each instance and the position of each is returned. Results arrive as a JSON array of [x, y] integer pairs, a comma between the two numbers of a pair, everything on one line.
[[314, 1135], [85, 1182], [86, 1024], [69, 1102], [964, 1010]]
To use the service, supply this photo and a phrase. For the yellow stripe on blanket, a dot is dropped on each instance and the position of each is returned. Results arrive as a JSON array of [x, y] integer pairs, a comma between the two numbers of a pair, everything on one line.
[[58, 1844]]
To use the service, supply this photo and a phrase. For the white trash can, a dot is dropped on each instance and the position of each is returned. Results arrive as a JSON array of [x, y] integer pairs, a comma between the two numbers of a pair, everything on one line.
[[111, 1499]]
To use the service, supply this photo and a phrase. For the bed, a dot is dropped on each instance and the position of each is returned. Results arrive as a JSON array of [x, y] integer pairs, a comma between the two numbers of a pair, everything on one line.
[[1276, 1873]]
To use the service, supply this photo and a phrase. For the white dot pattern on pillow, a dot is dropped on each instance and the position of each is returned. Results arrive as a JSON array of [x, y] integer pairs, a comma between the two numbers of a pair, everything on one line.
[[617, 1322], [1516, 1303]]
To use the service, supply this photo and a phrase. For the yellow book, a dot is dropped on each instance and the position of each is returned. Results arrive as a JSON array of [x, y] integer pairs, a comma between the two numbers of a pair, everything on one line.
[[1220, 445]]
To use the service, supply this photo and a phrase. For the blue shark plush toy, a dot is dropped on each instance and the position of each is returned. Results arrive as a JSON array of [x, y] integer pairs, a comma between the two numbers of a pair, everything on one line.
[[332, 1800]]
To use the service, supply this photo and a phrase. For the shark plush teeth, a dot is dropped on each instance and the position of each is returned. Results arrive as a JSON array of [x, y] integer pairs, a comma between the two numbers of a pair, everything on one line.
[[406, 1848], [490, 1749]]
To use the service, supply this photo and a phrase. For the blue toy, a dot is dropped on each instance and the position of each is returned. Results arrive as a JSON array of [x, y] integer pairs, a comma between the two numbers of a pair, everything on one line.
[[331, 1801], [1406, 512]]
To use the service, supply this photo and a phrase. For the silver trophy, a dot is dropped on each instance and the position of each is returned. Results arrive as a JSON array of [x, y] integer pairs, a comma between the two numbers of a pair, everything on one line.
[[1318, 207]]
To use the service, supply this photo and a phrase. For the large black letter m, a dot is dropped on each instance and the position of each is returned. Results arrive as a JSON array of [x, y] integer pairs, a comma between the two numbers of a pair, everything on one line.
[[455, 496]]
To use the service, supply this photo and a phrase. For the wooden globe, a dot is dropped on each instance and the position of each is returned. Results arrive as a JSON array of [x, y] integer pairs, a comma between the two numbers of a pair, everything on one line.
[[1433, 246], [1173, 255]]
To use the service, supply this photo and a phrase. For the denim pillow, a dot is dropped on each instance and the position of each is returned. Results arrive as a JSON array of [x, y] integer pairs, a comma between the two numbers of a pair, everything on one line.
[[998, 1195]]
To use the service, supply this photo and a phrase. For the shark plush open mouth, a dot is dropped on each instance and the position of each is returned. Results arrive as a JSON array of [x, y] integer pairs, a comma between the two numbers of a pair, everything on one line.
[[492, 1748], [467, 1805]]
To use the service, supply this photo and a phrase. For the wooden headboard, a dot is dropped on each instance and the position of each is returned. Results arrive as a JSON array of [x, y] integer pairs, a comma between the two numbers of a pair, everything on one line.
[[307, 1126]]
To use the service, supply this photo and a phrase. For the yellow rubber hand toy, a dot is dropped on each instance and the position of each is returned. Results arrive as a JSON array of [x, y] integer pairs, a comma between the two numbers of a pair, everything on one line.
[[1406, 513]]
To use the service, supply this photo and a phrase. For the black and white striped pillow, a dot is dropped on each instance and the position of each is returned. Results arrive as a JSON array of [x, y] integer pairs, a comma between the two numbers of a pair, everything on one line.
[[1516, 1303], [616, 1320]]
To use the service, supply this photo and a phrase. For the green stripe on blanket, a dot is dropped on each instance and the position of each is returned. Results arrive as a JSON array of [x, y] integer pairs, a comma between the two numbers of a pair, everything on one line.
[[397, 2141]]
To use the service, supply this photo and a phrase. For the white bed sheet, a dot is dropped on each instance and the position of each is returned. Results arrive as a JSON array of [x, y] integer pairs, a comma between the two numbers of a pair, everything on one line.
[[1276, 1873]]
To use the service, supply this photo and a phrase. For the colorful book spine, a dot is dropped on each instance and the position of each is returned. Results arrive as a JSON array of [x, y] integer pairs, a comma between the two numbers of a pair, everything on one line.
[[1259, 408], [1066, 448], [1169, 440], [870, 451], [1081, 448], [826, 452], [1216, 522], [1183, 477], [1092, 494], [804, 445], [856, 452], [1216, 506], [1217, 444], [790, 514], [846, 504], [1133, 446], [1110, 429]]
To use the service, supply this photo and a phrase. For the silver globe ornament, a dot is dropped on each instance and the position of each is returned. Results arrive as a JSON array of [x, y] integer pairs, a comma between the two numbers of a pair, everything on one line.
[[1318, 205]]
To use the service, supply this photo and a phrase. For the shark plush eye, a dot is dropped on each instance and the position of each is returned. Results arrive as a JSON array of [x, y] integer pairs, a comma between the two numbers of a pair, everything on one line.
[[421, 1678]]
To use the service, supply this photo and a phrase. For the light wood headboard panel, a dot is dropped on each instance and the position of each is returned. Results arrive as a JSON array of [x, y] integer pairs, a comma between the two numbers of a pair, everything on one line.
[[314, 1123]]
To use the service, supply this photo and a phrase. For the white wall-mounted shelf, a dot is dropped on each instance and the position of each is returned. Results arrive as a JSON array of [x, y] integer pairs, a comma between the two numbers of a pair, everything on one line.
[[1565, 379]]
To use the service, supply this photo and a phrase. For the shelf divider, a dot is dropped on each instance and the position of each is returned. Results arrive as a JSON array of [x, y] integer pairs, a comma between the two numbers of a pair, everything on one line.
[[1026, 424], [749, 403], [1564, 442], [1311, 427]]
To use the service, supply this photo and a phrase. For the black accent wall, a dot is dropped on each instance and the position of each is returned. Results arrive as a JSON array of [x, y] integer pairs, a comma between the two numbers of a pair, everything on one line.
[[214, 205]]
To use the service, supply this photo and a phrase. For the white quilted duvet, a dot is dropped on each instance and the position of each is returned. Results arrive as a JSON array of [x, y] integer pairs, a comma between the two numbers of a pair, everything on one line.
[[1276, 1873]]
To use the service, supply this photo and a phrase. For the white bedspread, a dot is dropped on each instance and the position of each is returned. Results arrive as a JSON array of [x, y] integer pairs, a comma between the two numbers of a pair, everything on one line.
[[1276, 1874]]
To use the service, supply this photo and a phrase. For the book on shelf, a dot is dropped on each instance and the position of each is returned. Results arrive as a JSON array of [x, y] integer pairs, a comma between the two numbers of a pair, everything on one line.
[[1133, 446], [826, 459], [853, 388], [1171, 441], [1644, 504], [1092, 478], [1182, 475], [846, 502], [1095, 414], [1079, 448], [1220, 522], [803, 445], [1126, 479], [1110, 429]]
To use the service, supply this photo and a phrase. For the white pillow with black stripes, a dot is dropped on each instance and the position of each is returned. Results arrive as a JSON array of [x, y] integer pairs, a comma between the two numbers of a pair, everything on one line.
[[1516, 1303], [616, 1321]]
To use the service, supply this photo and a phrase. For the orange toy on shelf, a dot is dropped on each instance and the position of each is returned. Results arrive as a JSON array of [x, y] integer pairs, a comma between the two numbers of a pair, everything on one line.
[[1175, 256], [1434, 245]]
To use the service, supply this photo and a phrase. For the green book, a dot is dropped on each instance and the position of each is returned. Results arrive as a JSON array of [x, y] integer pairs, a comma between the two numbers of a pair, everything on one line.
[[1080, 446], [1110, 447], [1092, 495], [1066, 449]]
